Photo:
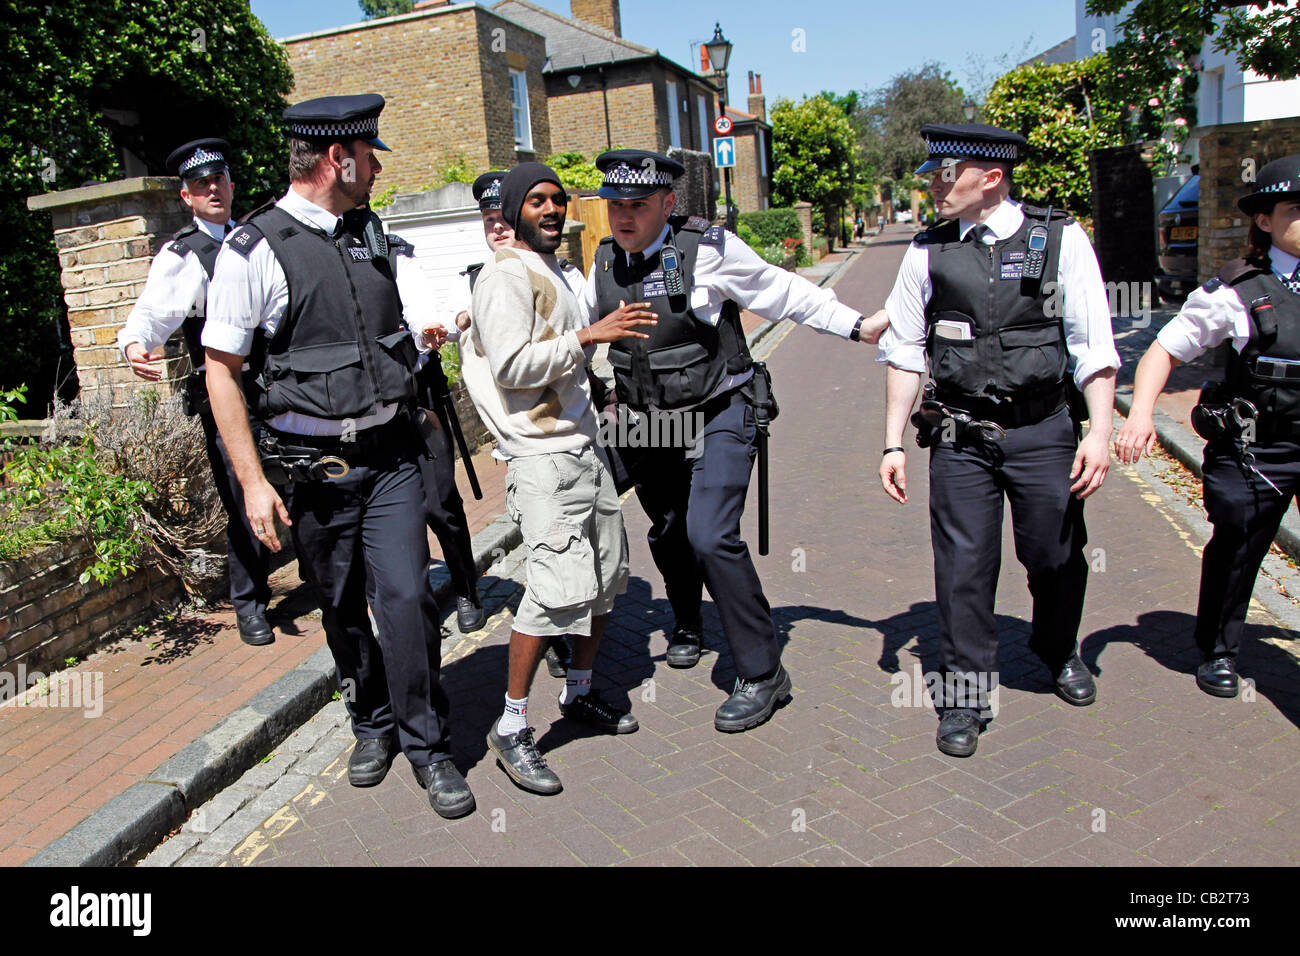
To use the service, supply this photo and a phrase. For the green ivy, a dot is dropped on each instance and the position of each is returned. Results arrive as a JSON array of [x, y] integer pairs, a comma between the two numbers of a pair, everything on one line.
[[576, 171]]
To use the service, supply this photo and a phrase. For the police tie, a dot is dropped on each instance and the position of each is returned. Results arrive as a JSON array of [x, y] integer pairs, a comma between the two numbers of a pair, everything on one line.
[[1292, 283], [977, 232], [634, 259]]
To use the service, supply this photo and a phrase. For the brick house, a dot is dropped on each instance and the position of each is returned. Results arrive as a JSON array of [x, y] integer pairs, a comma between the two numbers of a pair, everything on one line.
[[460, 81], [751, 179]]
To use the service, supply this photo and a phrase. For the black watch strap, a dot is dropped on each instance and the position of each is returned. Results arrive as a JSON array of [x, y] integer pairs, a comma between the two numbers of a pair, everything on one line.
[[856, 334], [892, 448]]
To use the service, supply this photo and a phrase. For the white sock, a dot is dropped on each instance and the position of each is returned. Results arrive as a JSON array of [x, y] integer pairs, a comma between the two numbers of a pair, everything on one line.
[[576, 684], [514, 718]]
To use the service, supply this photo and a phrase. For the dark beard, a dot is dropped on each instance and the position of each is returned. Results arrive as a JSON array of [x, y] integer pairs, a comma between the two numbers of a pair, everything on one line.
[[536, 240]]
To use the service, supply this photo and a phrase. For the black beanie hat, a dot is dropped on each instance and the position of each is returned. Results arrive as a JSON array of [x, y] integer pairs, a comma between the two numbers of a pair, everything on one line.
[[517, 184]]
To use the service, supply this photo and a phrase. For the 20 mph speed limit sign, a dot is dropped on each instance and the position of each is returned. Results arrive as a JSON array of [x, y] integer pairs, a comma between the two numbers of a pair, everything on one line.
[[722, 125]]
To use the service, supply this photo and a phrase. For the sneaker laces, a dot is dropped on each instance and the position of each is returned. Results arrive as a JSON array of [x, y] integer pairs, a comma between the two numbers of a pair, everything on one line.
[[528, 751], [599, 705]]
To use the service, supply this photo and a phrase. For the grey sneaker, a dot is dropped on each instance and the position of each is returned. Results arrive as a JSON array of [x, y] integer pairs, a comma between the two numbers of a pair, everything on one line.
[[520, 758]]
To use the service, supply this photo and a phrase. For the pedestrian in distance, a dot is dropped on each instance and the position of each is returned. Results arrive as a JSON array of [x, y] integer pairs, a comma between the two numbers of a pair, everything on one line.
[[1251, 421]]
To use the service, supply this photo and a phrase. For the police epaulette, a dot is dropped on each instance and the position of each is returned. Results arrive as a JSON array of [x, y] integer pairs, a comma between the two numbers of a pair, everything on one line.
[[244, 239], [713, 236], [606, 240], [946, 231], [178, 247], [1233, 272], [1038, 212], [400, 246], [696, 224]]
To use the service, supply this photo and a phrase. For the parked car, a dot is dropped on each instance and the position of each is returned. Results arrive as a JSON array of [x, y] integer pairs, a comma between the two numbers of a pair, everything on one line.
[[903, 215], [1176, 261]]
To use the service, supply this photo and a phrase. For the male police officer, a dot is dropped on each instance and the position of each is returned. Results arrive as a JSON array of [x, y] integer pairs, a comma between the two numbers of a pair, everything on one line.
[[980, 297], [336, 386], [696, 278], [174, 296]]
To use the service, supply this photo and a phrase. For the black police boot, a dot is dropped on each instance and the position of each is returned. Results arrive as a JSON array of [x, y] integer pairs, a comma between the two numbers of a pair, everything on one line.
[[254, 629], [1074, 683], [470, 615], [370, 760], [558, 656], [684, 647], [449, 793], [1218, 677], [752, 702], [959, 732]]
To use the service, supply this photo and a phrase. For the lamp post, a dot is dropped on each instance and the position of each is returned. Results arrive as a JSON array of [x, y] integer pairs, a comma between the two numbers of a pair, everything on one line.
[[968, 110], [719, 50]]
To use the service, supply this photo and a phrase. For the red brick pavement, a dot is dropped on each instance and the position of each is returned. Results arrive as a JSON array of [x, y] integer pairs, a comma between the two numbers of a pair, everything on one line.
[[1154, 773]]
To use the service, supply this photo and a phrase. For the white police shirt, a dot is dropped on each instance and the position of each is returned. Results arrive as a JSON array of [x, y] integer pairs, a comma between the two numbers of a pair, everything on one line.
[[177, 287], [1207, 318], [1085, 309], [251, 292], [737, 273]]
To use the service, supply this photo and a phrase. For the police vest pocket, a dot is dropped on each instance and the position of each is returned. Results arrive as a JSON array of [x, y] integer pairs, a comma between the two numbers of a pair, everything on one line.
[[625, 387], [324, 370], [1032, 356], [680, 373], [562, 568], [952, 360], [401, 346]]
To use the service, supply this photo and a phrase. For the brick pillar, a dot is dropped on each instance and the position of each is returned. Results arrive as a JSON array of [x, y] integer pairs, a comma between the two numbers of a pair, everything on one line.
[[106, 236], [804, 211]]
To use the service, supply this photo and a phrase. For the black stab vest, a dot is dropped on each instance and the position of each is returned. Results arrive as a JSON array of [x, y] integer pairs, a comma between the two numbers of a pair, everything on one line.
[[205, 248], [341, 349], [684, 359], [1274, 333], [1017, 350]]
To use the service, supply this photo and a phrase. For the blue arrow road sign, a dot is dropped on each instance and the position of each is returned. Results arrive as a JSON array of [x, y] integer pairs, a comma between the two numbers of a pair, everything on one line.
[[724, 151]]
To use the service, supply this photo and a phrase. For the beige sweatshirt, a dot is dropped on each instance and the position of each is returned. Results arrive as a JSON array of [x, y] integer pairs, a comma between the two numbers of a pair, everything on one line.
[[523, 364]]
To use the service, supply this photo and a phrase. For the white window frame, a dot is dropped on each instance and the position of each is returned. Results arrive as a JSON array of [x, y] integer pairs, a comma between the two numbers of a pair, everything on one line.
[[519, 111], [762, 152], [701, 106], [674, 119]]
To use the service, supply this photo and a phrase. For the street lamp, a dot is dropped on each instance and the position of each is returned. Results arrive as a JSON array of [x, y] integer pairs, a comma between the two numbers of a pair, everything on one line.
[[719, 50], [968, 109]]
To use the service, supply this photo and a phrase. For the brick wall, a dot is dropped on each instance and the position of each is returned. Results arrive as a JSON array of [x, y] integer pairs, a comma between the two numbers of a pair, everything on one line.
[[50, 616], [1224, 152], [748, 185], [107, 236], [445, 76], [635, 95]]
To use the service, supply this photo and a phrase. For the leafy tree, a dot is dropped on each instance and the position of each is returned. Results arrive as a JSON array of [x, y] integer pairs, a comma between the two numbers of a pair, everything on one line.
[[893, 117], [1063, 110], [384, 8], [815, 154], [88, 79], [576, 171], [1264, 39]]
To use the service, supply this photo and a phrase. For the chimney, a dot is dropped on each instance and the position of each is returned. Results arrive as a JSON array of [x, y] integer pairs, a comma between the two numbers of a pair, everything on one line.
[[706, 69], [757, 101], [599, 13]]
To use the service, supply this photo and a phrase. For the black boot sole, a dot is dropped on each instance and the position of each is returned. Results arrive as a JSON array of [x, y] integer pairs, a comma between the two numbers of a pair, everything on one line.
[[779, 700], [1224, 692], [682, 663]]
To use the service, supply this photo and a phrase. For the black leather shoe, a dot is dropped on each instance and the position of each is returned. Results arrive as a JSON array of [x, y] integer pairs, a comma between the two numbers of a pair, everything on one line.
[[370, 761], [684, 647], [1218, 676], [449, 794], [595, 711], [1074, 683], [254, 629], [959, 733], [469, 616], [558, 657], [752, 702], [520, 758]]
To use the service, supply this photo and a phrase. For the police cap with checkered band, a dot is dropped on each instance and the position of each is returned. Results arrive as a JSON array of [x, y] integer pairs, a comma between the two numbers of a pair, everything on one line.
[[961, 141], [635, 173], [487, 191], [1278, 180], [337, 119], [199, 158]]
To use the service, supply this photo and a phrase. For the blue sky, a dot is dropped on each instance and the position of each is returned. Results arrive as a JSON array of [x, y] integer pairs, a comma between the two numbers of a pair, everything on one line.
[[848, 45]]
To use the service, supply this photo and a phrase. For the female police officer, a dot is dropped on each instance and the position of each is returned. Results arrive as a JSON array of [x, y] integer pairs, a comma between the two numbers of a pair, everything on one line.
[[1252, 470]]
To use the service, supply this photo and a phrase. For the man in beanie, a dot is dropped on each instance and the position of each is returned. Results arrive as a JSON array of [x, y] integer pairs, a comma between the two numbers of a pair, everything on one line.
[[524, 362]]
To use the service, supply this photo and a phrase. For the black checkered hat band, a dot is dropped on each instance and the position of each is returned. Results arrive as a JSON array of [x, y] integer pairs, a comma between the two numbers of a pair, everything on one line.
[[625, 175], [200, 158], [493, 191], [362, 129], [958, 147], [1282, 187]]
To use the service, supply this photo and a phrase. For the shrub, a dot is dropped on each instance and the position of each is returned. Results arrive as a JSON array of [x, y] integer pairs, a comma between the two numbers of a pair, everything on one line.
[[772, 226]]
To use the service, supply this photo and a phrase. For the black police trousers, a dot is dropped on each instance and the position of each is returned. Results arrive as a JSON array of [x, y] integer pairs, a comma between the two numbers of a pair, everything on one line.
[[694, 499], [1031, 467], [1246, 514], [445, 511], [356, 532], [248, 560]]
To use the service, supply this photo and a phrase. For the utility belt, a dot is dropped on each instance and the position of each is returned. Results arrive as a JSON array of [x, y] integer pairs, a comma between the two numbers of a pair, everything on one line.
[[290, 458], [980, 420], [1225, 418]]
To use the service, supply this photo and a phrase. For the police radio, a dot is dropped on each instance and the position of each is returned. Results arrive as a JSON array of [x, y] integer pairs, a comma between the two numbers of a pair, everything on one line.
[[1036, 256], [670, 259]]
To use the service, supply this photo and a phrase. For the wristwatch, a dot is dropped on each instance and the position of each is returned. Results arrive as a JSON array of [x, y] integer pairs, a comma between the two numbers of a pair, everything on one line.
[[856, 334]]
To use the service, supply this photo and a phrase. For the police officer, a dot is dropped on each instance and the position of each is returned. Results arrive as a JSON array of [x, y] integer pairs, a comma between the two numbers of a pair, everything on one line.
[[174, 296], [998, 300], [1251, 469], [336, 389], [696, 278]]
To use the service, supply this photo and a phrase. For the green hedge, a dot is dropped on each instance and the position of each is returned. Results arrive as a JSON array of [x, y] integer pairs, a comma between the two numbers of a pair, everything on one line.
[[772, 225]]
